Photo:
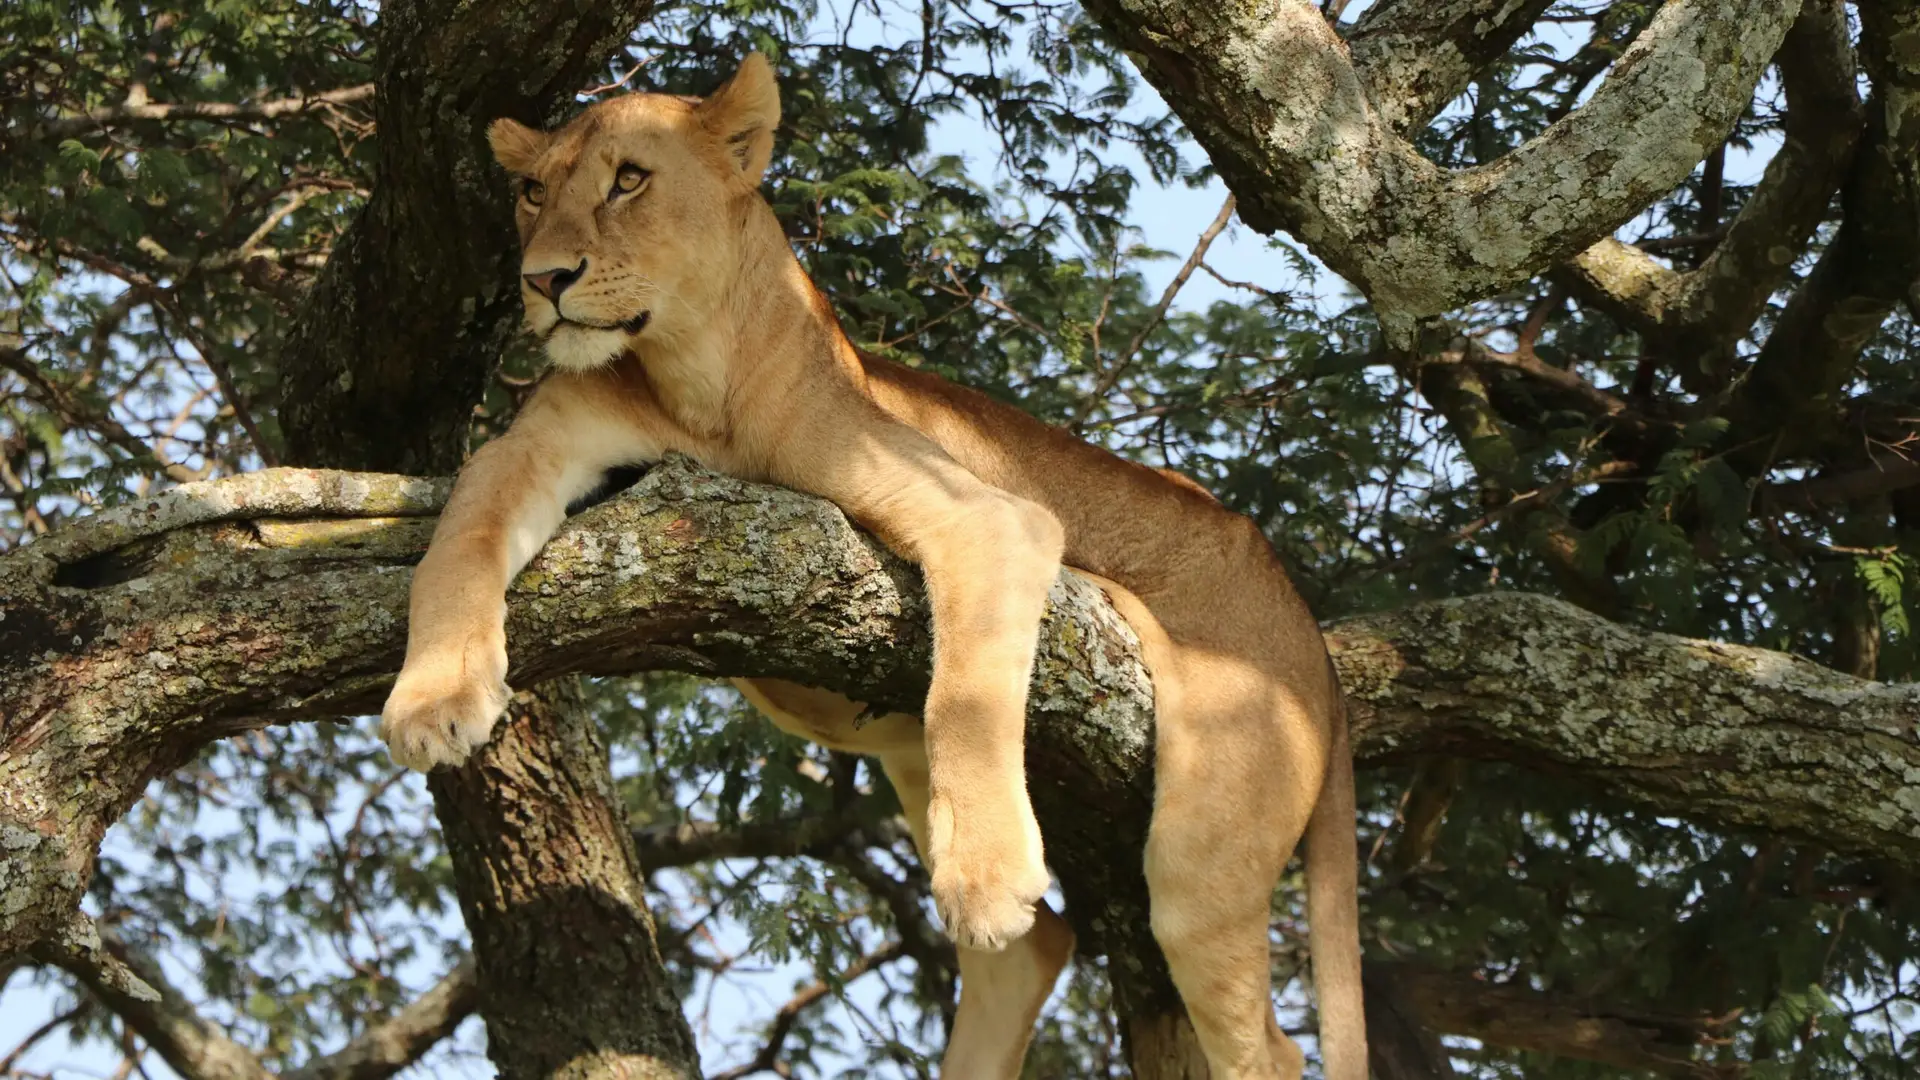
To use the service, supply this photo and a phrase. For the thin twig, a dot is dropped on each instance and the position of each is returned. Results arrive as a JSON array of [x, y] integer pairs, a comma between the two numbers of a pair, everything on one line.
[[768, 1059], [1154, 318], [223, 375], [33, 1037], [1612, 470], [77, 415], [617, 83]]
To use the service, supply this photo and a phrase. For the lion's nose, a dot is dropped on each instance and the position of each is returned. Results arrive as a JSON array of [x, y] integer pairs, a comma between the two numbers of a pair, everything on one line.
[[551, 283]]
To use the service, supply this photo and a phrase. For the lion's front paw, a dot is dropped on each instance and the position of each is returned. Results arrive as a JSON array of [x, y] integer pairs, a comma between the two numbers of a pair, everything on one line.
[[431, 721], [986, 880]]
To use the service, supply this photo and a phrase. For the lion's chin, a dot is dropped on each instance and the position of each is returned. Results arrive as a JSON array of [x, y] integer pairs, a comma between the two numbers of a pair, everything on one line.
[[582, 348]]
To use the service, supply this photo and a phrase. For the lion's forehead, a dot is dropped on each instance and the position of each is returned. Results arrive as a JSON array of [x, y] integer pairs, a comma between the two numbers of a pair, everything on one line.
[[628, 114], [609, 131]]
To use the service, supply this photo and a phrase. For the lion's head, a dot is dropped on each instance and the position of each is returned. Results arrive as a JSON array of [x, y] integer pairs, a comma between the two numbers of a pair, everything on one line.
[[629, 215]]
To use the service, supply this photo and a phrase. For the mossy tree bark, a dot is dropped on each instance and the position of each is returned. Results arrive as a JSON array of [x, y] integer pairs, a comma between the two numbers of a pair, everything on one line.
[[132, 639], [1310, 132]]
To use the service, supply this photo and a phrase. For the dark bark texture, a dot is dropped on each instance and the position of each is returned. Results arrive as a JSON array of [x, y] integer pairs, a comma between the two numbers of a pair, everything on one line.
[[394, 346], [570, 975], [405, 324]]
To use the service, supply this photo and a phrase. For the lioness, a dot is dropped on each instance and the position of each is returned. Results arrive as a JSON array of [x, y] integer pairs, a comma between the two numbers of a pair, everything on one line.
[[677, 318]]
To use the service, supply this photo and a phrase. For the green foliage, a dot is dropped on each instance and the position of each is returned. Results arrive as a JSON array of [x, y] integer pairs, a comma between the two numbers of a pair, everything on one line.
[[1885, 575], [295, 883]]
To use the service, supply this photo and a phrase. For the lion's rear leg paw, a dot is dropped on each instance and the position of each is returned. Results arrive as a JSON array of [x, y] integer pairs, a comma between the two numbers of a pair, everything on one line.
[[985, 879]]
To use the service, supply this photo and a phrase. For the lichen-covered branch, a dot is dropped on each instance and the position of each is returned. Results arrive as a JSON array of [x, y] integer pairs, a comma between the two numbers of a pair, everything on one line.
[[1284, 113], [190, 1044], [1701, 313], [129, 640], [1726, 734]]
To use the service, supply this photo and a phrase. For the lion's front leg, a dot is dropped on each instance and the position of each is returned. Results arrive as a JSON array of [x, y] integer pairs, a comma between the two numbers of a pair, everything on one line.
[[505, 505], [453, 685]]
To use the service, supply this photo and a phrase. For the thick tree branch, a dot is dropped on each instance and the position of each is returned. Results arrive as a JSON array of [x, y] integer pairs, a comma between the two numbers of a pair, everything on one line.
[[1563, 1025], [193, 1046], [1624, 281], [403, 1038], [1823, 122], [1270, 91], [129, 640], [81, 948], [663, 847], [1891, 473], [134, 988], [1872, 266], [1700, 313], [1400, 1045]]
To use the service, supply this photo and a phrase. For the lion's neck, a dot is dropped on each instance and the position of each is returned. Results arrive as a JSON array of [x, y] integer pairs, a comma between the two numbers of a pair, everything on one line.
[[768, 328], [688, 376]]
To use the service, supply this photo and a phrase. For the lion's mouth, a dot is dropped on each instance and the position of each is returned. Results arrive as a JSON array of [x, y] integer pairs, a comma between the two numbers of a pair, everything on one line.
[[631, 326]]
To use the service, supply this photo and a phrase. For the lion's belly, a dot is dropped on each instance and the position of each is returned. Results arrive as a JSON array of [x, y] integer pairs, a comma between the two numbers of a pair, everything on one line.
[[833, 720], [830, 719]]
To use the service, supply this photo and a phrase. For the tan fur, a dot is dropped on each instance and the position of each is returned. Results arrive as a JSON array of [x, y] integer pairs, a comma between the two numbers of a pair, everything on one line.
[[740, 363]]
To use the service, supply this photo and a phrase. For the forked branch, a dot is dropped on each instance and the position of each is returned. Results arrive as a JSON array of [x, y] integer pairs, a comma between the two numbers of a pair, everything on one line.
[[1289, 117]]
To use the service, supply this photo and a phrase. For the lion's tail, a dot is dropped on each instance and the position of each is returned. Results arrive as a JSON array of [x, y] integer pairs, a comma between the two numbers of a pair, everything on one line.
[[1333, 911]]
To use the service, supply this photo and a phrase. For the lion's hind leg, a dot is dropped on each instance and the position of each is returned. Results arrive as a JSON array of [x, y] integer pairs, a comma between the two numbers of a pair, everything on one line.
[[1227, 813], [1001, 993], [1226, 818]]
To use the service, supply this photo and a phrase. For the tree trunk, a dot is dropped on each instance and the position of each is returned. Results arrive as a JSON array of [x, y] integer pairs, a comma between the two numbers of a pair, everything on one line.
[[572, 985], [405, 324], [1160, 1042], [393, 348]]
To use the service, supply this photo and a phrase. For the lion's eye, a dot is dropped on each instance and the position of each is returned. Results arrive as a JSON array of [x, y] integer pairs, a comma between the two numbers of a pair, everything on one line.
[[629, 179], [533, 191]]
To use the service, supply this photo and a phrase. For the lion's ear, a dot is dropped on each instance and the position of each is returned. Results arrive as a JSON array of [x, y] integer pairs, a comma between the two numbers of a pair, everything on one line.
[[516, 146], [743, 115]]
